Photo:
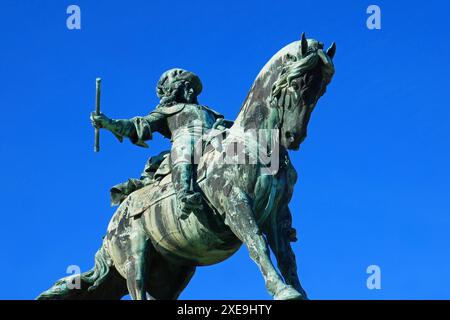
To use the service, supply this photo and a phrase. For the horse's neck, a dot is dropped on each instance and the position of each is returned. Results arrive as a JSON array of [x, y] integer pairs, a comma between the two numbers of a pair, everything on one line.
[[257, 118], [256, 112], [257, 122], [256, 129]]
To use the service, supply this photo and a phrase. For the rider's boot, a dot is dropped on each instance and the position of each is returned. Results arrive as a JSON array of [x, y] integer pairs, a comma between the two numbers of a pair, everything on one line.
[[188, 200]]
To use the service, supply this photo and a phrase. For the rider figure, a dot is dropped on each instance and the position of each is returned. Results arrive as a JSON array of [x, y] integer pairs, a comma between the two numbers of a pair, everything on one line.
[[178, 117]]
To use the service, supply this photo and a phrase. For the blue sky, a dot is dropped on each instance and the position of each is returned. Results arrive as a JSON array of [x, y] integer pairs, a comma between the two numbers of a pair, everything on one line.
[[374, 172]]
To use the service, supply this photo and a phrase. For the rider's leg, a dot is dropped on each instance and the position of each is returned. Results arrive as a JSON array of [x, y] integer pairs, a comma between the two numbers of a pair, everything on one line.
[[183, 167], [187, 198]]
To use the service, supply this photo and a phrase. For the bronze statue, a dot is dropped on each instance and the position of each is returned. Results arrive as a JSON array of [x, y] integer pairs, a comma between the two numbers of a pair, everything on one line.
[[148, 251]]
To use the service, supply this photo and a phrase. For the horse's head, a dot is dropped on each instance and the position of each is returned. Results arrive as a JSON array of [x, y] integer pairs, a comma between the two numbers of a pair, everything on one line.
[[305, 73], [286, 91]]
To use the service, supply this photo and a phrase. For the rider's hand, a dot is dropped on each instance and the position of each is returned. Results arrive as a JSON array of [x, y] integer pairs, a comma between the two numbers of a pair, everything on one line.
[[99, 121]]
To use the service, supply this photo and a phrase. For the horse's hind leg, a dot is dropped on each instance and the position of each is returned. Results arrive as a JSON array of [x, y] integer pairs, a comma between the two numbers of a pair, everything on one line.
[[183, 275], [241, 220], [136, 263], [149, 275], [167, 279]]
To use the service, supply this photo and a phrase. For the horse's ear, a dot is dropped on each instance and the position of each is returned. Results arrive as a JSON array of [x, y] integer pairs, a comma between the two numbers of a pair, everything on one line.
[[303, 45], [331, 51]]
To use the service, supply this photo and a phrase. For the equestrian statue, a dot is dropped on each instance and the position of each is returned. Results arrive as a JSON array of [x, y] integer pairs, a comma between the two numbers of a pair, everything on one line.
[[222, 184]]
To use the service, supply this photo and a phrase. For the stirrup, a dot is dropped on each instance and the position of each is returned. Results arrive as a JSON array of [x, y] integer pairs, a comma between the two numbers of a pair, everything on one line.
[[188, 203]]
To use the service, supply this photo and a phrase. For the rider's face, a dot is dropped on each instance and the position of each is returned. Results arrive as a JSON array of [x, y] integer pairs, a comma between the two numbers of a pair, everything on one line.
[[187, 92]]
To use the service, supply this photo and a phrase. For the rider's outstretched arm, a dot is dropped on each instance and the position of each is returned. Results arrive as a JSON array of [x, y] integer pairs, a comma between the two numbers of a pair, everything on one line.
[[137, 129]]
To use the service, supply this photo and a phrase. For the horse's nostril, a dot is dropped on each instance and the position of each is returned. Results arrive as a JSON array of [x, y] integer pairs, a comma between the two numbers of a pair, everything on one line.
[[290, 137]]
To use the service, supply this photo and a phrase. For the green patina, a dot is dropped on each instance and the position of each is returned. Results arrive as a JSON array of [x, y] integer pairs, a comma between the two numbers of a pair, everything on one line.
[[182, 213]]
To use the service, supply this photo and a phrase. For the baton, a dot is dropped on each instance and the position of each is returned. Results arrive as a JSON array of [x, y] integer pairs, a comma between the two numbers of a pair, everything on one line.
[[97, 112]]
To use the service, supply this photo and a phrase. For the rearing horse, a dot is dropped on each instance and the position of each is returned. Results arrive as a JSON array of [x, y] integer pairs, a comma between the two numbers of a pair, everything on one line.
[[149, 253]]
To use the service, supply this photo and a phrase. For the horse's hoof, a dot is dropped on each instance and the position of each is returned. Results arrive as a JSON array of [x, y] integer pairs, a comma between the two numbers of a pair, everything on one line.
[[289, 293]]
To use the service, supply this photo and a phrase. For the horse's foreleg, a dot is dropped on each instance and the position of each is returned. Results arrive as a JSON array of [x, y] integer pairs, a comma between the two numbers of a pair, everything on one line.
[[279, 234], [241, 220], [136, 262]]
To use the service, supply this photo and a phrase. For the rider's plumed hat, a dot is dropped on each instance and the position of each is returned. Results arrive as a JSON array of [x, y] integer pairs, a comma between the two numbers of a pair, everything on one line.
[[170, 79]]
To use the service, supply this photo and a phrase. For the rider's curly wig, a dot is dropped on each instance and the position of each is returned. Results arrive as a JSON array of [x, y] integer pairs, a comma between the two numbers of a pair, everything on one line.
[[171, 80]]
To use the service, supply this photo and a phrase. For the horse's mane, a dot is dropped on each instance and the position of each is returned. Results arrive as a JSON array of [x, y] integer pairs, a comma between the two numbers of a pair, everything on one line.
[[286, 65], [269, 74]]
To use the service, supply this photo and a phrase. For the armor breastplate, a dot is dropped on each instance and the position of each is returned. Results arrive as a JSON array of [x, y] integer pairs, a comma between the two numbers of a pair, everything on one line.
[[192, 118]]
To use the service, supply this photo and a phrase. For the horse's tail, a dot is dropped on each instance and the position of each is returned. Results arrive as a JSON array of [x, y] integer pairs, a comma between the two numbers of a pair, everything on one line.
[[101, 282]]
